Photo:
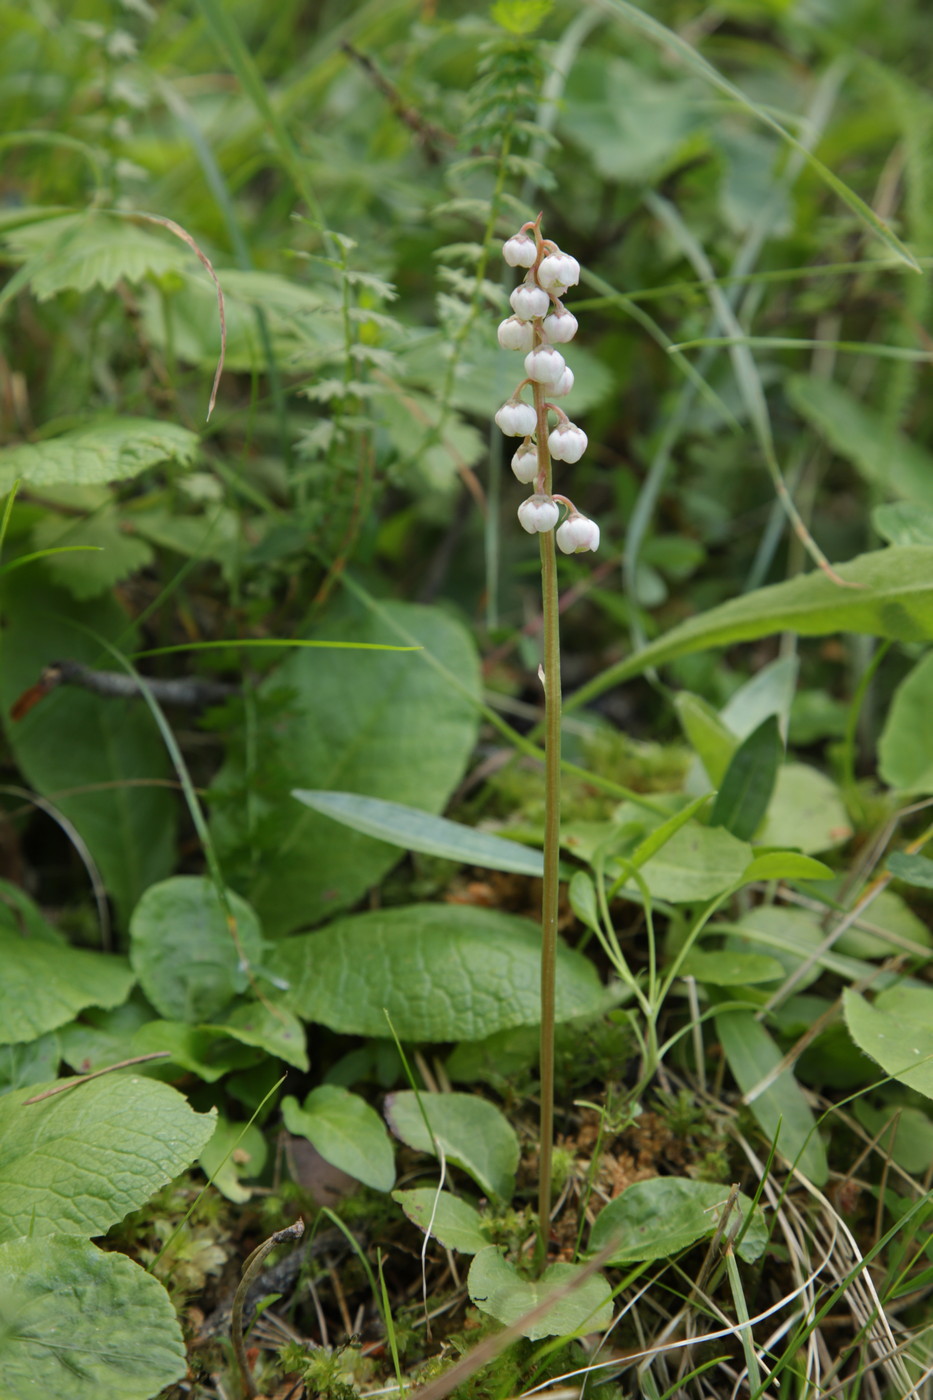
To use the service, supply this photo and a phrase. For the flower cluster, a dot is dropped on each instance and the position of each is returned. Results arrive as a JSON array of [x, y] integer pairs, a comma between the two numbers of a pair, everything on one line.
[[540, 322]]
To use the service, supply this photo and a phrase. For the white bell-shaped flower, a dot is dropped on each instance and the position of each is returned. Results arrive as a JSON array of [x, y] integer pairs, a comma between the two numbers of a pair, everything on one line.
[[529, 301], [563, 385], [525, 463], [545, 365], [558, 270], [515, 334], [577, 535], [519, 250], [566, 442], [560, 326], [517, 419], [538, 514]]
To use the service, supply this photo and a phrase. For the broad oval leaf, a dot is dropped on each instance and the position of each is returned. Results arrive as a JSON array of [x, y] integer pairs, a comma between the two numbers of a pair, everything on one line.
[[452, 1221], [111, 449], [905, 750], [582, 1303], [83, 1323], [728, 969], [415, 830], [183, 951], [76, 1163], [440, 971], [39, 992], [656, 1218], [896, 1032], [347, 1133], [470, 1131], [697, 863]]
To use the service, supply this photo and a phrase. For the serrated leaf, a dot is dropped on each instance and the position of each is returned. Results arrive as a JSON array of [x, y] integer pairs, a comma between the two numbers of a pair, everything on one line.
[[183, 952], [80, 1322], [76, 252], [747, 785], [657, 1218], [905, 750], [415, 830], [895, 1032], [497, 1288], [383, 724], [39, 992], [893, 598], [108, 553], [347, 1133], [453, 1222], [440, 971], [76, 1163], [111, 449], [782, 1111], [471, 1132]]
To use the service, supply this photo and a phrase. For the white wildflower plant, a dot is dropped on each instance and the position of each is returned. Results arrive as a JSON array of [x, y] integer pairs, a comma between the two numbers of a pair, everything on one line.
[[538, 323]]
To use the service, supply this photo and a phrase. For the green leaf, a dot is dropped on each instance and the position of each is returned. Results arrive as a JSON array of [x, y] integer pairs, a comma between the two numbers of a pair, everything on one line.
[[40, 991], [234, 1151], [806, 811], [271, 1027], [903, 522], [471, 1132], [109, 449], [905, 750], [794, 936], [746, 788], [77, 1162], [885, 458], [384, 724], [904, 1132], [713, 741], [657, 1218], [415, 830], [781, 1110], [728, 969], [347, 1133], [202, 1050], [698, 863], [913, 869], [497, 1288], [897, 1032], [91, 755], [440, 971], [183, 951], [80, 1322], [893, 598], [76, 252], [786, 865], [32, 1063], [452, 1221], [582, 895], [114, 554]]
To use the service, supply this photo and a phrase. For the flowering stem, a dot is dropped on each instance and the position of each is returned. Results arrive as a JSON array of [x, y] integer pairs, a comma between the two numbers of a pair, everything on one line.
[[549, 896]]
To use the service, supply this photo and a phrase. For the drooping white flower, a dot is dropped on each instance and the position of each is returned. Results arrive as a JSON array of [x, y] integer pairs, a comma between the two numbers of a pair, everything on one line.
[[563, 385], [525, 463], [515, 334], [578, 534], [567, 442], [519, 250], [545, 365], [560, 326], [558, 270], [538, 514], [529, 301], [517, 419]]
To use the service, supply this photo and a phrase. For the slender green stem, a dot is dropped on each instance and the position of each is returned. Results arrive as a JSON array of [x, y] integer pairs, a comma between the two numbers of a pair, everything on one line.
[[550, 893]]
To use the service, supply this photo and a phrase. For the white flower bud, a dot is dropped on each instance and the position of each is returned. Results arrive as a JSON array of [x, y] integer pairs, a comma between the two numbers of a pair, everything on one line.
[[566, 443], [545, 365], [578, 534], [558, 270], [515, 334], [538, 514], [517, 419], [525, 463], [520, 250], [560, 326], [529, 301], [563, 385]]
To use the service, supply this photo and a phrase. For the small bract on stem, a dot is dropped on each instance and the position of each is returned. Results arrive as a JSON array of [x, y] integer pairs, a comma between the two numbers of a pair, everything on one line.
[[540, 322]]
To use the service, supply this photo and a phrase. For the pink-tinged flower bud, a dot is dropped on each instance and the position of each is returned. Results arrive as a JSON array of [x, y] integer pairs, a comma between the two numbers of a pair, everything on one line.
[[519, 250], [558, 270], [545, 365], [517, 419], [566, 443], [560, 326], [515, 334], [563, 385], [538, 514], [529, 301], [577, 535], [525, 463]]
